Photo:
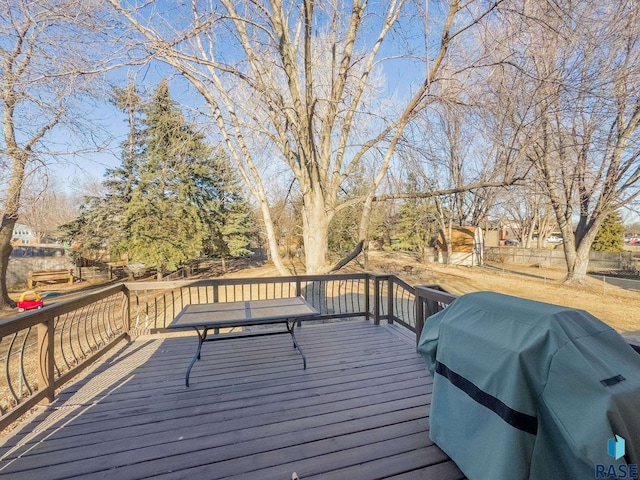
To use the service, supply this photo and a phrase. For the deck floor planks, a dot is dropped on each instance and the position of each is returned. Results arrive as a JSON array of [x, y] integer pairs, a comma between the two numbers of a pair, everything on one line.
[[247, 398], [180, 411], [446, 470], [293, 398], [105, 427], [158, 450], [279, 358], [226, 422], [363, 398]]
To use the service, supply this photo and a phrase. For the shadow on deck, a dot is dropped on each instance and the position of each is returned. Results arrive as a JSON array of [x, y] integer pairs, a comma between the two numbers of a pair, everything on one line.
[[359, 411]]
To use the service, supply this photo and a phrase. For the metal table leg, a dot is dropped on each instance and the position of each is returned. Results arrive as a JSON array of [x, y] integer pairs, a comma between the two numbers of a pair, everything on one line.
[[290, 328], [201, 338]]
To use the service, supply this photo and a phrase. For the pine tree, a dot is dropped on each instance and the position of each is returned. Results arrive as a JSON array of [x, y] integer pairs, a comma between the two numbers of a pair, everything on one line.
[[100, 226], [173, 197], [416, 226], [165, 228], [610, 236], [225, 213], [120, 181], [235, 214]]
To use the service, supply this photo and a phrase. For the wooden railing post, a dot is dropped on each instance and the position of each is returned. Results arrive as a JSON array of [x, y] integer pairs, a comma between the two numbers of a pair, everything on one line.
[[429, 301], [367, 300], [126, 309], [298, 286], [46, 380], [376, 300], [390, 299], [419, 315]]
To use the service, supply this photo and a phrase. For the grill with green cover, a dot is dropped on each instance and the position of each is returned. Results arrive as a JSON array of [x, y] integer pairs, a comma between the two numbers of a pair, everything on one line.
[[529, 390]]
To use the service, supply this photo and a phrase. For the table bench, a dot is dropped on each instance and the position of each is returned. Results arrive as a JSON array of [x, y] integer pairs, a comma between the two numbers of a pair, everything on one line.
[[213, 316], [56, 276]]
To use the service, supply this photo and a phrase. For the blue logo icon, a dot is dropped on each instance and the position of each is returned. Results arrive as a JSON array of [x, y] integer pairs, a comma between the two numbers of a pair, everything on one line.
[[615, 447]]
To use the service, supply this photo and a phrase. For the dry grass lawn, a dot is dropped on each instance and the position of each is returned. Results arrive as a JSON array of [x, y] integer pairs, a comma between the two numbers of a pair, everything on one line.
[[615, 306], [618, 307]]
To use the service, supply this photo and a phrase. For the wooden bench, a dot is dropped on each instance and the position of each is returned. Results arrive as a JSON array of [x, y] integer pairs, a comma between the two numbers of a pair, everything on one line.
[[50, 276]]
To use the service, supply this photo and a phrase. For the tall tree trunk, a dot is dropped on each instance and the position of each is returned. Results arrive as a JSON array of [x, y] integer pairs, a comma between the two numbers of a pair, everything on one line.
[[315, 222], [6, 232], [577, 256], [272, 240], [10, 217], [577, 264]]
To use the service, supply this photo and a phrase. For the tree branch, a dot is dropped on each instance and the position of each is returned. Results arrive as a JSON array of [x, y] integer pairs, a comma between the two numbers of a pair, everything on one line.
[[434, 193]]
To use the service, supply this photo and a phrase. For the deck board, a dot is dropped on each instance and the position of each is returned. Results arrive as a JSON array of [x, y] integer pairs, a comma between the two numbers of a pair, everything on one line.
[[359, 411]]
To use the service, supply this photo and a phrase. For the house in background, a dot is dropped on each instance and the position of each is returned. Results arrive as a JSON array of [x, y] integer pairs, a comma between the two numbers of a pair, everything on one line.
[[23, 235]]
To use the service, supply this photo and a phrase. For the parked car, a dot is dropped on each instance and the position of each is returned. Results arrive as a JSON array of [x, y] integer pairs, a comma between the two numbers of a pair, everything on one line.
[[510, 242], [554, 239]]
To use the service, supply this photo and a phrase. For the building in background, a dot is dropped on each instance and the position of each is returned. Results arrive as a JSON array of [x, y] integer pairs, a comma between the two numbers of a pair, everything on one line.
[[23, 235], [467, 246]]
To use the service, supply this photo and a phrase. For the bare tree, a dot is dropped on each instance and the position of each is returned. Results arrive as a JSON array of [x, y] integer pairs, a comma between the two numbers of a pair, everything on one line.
[[302, 78], [42, 71], [456, 149], [45, 208], [530, 211], [579, 64]]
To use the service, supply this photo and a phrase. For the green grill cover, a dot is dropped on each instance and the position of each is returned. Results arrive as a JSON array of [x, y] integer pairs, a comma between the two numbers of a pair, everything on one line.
[[529, 390]]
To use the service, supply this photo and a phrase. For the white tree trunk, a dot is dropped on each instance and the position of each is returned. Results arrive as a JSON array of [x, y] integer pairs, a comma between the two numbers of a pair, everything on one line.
[[272, 239], [315, 235]]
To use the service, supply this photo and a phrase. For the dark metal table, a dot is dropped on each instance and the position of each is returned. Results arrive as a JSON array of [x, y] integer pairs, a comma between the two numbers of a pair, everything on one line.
[[209, 316]]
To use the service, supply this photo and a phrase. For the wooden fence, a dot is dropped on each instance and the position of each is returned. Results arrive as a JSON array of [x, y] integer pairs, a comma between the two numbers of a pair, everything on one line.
[[544, 257]]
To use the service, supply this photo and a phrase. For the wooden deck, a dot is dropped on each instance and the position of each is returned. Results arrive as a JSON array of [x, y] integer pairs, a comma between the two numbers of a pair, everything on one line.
[[359, 411]]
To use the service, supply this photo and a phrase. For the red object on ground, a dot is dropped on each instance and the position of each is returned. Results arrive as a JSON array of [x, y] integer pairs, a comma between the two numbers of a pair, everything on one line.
[[29, 300]]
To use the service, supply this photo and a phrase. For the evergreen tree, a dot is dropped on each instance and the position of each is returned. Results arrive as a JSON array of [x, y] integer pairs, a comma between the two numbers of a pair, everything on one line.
[[225, 213], [173, 197], [120, 181], [235, 213], [610, 236], [165, 228], [91, 229], [416, 225]]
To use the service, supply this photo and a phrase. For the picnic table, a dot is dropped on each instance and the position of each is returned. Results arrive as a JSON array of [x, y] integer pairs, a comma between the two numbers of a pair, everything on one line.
[[59, 275], [214, 316]]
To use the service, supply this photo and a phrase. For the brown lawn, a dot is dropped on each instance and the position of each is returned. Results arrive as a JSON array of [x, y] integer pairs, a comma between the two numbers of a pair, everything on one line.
[[615, 306], [618, 307]]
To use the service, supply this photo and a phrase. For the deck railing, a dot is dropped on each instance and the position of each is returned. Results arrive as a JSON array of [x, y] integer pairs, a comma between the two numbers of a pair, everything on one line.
[[155, 304], [43, 349]]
